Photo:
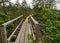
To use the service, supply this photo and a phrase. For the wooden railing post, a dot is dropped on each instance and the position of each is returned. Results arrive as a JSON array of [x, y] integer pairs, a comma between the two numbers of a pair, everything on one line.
[[3, 34]]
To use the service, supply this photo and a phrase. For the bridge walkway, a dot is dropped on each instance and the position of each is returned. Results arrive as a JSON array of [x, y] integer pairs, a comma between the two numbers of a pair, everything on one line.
[[24, 32]]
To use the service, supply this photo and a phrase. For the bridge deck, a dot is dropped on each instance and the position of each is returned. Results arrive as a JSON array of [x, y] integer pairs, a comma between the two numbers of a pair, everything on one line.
[[29, 31], [24, 31]]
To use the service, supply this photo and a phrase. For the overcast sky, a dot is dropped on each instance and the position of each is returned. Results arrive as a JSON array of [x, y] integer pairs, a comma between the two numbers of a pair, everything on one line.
[[58, 4], [30, 1]]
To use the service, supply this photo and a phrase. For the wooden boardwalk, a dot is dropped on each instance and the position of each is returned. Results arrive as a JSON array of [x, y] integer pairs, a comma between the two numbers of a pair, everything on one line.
[[23, 34]]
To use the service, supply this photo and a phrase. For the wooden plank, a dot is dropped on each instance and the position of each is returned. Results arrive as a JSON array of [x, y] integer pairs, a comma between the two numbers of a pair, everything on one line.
[[23, 34], [27, 32], [20, 36]]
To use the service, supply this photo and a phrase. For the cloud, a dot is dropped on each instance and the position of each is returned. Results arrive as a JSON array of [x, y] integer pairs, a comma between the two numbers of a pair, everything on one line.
[[57, 1], [58, 6], [13, 1]]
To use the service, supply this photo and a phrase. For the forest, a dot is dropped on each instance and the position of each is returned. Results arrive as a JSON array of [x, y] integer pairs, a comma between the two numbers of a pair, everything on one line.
[[44, 11]]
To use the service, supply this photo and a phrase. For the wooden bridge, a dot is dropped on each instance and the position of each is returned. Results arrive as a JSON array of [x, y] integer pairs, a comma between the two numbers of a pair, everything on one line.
[[26, 31]]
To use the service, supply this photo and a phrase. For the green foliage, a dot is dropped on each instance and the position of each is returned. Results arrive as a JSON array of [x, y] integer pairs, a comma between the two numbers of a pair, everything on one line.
[[30, 38], [3, 18], [51, 30], [10, 29]]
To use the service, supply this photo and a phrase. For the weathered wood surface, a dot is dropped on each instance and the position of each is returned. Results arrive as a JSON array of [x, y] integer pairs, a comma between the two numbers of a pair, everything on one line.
[[23, 34], [20, 35]]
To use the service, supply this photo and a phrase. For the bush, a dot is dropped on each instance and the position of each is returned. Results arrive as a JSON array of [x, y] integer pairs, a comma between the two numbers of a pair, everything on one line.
[[51, 30], [3, 18]]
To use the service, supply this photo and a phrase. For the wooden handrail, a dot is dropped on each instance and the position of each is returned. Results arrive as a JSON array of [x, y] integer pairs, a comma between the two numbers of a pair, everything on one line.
[[12, 20], [36, 30], [3, 29], [9, 39], [34, 21]]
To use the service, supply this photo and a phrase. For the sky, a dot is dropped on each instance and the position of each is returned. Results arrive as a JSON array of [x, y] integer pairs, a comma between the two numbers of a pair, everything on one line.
[[58, 4], [30, 1]]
